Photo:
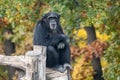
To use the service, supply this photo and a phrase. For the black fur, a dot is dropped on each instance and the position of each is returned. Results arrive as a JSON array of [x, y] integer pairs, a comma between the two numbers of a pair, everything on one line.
[[45, 36]]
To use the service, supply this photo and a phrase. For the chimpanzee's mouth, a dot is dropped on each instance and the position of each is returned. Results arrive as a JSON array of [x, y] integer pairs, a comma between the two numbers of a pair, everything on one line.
[[53, 26]]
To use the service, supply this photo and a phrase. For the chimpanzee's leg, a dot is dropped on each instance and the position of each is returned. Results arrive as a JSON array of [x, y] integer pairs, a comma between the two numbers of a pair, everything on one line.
[[52, 57], [65, 55], [64, 58]]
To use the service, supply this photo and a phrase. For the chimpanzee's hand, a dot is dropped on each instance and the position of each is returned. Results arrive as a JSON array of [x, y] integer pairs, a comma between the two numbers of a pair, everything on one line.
[[67, 66], [61, 45]]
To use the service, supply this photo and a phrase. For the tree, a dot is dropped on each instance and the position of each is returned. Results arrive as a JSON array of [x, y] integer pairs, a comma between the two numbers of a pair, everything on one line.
[[9, 48], [98, 74]]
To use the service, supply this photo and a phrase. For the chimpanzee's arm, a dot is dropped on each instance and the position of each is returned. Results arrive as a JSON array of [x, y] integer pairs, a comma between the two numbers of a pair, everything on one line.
[[41, 36]]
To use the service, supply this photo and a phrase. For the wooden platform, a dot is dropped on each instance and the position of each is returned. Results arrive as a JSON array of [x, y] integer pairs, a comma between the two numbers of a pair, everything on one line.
[[55, 75]]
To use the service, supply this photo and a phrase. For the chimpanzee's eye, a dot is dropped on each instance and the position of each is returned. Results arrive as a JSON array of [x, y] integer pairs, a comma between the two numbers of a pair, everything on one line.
[[52, 17]]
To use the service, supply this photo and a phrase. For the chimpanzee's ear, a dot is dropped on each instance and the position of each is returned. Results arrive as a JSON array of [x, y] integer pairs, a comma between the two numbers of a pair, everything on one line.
[[44, 17], [58, 16]]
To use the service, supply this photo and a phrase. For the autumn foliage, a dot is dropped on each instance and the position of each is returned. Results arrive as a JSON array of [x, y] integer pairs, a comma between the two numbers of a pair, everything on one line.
[[97, 48], [83, 69], [22, 15]]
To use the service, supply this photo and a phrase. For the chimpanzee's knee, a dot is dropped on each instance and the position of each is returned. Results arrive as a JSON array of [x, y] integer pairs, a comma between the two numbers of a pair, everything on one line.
[[52, 57]]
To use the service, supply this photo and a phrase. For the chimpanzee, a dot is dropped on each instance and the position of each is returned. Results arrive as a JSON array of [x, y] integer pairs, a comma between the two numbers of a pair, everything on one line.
[[48, 32]]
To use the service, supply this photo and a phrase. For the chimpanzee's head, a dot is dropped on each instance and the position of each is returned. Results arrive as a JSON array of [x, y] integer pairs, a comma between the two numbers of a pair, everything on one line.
[[51, 20]]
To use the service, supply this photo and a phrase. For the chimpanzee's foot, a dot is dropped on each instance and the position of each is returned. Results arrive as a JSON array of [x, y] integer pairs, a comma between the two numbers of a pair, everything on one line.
[[63, 68]]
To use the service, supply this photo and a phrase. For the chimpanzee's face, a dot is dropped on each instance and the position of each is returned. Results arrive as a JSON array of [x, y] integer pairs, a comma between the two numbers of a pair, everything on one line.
[[51, 19]]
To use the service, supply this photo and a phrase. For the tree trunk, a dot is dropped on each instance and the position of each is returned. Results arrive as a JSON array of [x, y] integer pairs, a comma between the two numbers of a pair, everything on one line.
[[9, 48], [91, 36]]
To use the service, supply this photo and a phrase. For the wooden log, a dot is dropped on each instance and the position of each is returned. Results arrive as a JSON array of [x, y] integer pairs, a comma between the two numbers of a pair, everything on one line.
[[55, 75], [36, 67], [14, 61], [33, 64], [41, 61]]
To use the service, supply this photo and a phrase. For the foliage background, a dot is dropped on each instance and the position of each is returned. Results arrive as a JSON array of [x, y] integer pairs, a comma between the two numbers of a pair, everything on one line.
[[22, 15]]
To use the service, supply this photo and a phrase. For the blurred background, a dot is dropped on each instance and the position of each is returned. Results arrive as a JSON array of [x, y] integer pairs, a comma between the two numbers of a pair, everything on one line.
[[18, 19]]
